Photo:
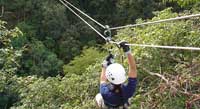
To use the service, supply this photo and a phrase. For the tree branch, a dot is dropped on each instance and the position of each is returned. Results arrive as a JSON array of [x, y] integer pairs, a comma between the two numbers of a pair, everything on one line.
[[2, 11], [155, 74]]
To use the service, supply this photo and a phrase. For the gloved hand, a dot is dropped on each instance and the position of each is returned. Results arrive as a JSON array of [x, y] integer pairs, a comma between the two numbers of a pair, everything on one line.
[[109, 60], [125, 47]]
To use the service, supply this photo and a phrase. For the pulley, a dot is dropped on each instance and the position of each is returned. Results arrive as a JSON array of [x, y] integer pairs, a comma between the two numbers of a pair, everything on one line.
[[108, 33]]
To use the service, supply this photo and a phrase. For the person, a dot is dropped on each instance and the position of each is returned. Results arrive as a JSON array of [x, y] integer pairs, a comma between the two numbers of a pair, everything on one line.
[[114, 93]]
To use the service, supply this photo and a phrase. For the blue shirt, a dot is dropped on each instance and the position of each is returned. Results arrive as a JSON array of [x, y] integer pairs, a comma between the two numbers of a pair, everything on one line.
[[115, 99]]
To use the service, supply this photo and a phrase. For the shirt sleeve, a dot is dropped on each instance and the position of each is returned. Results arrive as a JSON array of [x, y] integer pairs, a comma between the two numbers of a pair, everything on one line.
[[129, 88], [103, 88]]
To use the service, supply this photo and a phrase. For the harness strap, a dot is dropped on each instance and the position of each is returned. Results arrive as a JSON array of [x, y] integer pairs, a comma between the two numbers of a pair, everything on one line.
[[124, 104]]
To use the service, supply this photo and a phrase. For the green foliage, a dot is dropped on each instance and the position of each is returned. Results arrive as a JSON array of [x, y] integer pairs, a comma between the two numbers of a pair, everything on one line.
[[80, 63], [131, 9], [74, 91], [37, 60], [151, 92], [8, 55], [180, 33], [68, 47], [9, 59], [69, 92], [52, 36], [9, 87], [183, 2], [59, 30]]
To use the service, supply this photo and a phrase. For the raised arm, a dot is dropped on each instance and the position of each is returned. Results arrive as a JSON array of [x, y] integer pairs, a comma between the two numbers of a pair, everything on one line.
[[132, 66], [131, 61], [103, 75], [109, 60]]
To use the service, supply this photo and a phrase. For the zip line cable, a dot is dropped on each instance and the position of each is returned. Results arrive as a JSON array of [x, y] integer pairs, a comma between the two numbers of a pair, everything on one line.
[[85, 14], [166, 47], [83, 20], [158, 46], [140, 45], [154, 22]]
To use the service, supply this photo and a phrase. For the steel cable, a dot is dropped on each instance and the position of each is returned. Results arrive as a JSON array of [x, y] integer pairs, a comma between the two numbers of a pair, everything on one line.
[[154, 22], [85, 14]]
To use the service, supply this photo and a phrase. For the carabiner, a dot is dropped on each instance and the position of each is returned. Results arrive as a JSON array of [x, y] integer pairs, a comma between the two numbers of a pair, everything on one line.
[[107, 33]]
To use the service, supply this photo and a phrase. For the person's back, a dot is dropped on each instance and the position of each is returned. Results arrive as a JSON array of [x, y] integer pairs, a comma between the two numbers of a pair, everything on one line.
[[115, 94], [118, 96]]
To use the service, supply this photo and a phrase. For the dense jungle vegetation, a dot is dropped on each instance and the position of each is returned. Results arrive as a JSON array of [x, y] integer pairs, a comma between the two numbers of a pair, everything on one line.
[[50, 59]]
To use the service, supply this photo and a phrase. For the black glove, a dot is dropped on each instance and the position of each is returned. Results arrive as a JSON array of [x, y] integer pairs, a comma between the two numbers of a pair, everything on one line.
[[125, 47], [109, 60]]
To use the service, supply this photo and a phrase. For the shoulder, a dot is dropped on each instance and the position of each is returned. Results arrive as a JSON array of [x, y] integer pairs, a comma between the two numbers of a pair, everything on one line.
[[103, 85], [132, 80], [130, 87], [104, 88]]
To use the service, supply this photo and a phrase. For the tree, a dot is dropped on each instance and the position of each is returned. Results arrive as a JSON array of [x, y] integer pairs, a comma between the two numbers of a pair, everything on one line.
[[164, 72], [9, 63], [38, 60], [183, 2], [76, 90], [80, 63], [53, 39]]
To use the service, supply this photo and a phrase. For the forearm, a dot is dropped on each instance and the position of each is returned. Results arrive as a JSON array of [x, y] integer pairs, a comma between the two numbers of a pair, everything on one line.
[[103, 75], [132, 66]]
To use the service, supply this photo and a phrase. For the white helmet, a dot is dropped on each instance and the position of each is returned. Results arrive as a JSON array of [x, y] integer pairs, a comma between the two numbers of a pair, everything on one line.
[[115, 73]]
